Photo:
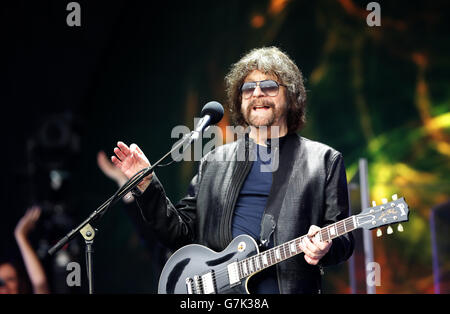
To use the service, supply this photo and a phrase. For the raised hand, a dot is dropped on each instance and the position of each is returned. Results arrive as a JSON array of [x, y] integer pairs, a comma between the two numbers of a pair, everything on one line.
[[109, 169], [32, 263], [131, 160], [27, 222]]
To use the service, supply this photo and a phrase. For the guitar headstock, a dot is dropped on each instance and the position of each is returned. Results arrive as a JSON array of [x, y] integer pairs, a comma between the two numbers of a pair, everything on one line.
[[389, 212]]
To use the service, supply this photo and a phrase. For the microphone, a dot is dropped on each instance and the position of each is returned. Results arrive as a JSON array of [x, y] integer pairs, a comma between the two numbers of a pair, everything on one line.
[[211, 113]]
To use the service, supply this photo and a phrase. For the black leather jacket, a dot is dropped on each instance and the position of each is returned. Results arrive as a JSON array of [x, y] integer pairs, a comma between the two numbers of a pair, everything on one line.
[[315, 193]]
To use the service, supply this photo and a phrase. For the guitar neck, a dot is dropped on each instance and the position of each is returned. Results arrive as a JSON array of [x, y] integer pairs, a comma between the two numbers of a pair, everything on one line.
[[258, 262]]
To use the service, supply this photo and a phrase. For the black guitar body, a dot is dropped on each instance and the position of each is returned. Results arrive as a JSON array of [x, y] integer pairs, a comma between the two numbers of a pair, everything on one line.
[[195, 269]]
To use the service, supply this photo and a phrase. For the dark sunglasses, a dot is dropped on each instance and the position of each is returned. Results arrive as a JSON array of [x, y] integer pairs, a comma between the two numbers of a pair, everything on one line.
[[268, 87]]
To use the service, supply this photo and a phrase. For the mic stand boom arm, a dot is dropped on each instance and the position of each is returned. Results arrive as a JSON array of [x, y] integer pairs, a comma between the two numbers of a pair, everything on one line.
[[88, 232]]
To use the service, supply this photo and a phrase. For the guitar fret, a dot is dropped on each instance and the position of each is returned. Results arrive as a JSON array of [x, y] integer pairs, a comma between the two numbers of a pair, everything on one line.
[[282, 252], [324, 233], [289, 249], [292, 247], [332, 230], [277, 254], [268, 256], [264, 258], [328, 232], [350, 222], [338, 229], [297, 242]]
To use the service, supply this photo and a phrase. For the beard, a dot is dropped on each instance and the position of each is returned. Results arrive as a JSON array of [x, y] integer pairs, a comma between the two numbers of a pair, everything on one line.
[[262, 117]]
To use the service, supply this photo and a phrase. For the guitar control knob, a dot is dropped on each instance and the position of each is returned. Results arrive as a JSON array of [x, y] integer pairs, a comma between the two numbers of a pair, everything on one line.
[[400, 228], [379, 233]]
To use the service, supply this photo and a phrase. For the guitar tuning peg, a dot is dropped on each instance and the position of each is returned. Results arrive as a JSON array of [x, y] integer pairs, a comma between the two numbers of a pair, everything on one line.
[[379, 233], [384, 200], [400, 228], [394, 197], [389, 230], [374, 203]]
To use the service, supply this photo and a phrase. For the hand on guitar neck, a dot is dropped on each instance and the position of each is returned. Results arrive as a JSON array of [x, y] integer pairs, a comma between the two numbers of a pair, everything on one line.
[[313, 248]]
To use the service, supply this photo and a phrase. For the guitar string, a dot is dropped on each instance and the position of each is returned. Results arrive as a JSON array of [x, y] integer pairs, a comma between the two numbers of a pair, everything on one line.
[[271, 253], [283, 248], [340, 228], [224, 272], [272, 259]]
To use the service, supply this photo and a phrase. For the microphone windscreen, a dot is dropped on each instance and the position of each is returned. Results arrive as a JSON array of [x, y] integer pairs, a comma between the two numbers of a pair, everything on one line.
[[215, 110]]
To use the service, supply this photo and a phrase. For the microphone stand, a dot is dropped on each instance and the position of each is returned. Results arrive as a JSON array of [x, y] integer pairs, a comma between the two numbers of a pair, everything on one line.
[[88, 232]]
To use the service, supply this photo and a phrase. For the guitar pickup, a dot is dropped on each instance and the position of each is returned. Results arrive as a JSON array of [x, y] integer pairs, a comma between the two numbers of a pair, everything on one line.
[[208, 283]]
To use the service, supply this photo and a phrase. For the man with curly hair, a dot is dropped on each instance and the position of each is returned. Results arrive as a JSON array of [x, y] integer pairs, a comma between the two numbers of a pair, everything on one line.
[[229, 197]]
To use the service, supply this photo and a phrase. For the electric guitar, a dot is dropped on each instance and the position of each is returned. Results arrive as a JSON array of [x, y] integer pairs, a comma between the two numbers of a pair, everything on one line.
[[195, 269]]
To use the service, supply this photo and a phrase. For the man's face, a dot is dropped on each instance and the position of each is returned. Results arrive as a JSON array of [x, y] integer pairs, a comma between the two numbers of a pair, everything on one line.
[[261, 109], [8, 275]]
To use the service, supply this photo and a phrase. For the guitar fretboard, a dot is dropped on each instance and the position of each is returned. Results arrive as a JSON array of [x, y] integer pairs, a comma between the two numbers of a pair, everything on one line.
[[258, 262]]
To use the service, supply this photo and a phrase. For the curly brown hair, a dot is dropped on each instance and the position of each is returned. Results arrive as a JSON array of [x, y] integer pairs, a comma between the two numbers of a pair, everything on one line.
[[269, 60]]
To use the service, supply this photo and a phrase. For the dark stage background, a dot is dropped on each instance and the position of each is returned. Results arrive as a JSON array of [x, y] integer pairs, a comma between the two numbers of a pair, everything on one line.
[[135, 69]]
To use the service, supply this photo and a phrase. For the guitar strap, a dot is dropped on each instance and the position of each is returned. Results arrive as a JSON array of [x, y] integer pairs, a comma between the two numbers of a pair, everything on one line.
[[284, 152]]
